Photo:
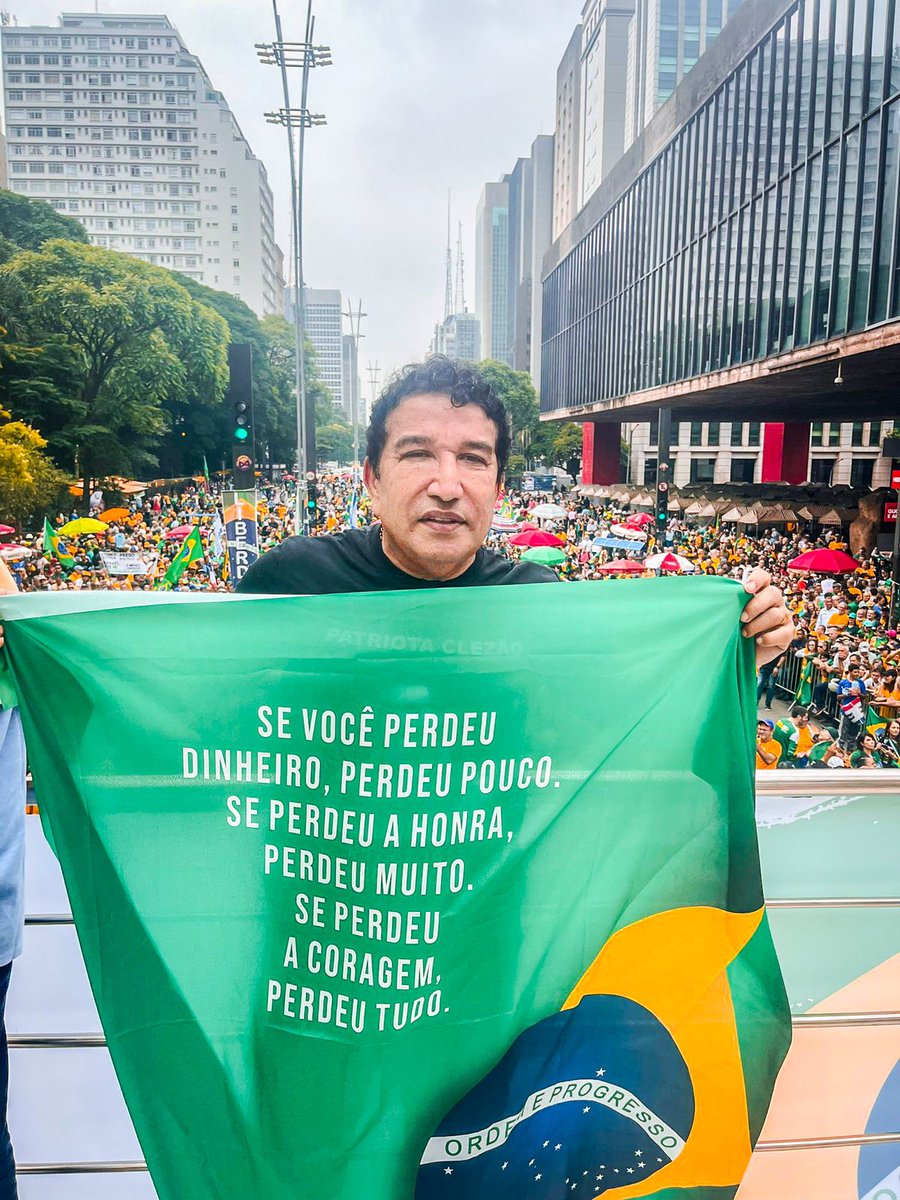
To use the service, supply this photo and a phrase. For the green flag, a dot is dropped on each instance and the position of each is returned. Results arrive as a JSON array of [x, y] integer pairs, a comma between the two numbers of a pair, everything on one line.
[[55, 546], [191, 551], [415, 895]]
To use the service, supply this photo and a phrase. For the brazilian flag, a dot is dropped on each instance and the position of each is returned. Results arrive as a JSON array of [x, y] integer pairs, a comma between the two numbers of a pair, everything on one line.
[[191, 551], [56, 547], [446, 894]]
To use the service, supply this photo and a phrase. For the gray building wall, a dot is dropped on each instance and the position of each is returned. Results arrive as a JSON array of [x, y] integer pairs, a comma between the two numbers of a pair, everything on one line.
[[567, 162]]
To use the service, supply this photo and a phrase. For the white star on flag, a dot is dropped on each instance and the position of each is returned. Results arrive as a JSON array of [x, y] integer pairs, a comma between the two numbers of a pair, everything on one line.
[[448, 1170]]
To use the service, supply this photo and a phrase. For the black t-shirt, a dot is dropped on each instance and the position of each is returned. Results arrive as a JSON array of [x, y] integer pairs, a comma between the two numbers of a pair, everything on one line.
[[354, 561]]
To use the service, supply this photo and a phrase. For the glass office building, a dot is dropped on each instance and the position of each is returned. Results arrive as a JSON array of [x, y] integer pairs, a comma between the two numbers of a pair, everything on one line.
[[768, 222]]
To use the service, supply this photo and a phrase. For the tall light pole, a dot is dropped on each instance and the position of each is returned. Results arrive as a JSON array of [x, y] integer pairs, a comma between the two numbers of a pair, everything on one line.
[[355, 316], [306, 56], [374, 369]]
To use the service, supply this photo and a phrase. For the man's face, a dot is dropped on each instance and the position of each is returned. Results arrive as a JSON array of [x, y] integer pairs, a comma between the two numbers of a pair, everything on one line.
[[436, 485], [763, 732]]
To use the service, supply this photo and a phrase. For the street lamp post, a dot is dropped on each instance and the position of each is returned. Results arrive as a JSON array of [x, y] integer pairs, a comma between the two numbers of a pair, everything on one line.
[[304, 55], [355, 316]]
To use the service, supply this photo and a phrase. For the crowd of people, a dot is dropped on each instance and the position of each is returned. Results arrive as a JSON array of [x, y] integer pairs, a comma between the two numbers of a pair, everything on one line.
[[831, 700]]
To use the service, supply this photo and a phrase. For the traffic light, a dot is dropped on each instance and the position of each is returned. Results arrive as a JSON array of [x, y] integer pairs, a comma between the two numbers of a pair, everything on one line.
[[662, 498], [240, 400]]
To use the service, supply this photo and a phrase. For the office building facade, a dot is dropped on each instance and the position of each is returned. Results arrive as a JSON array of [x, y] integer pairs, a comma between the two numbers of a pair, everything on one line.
[[491, 270], [458, 336], [323, 309], [567, 158], [111, 120], [750, 227]]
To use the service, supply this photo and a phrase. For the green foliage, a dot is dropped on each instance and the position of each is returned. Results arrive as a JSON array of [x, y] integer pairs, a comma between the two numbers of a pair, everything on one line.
[[101, 349], [519, 398], [26, 224], [559, 444], [29, 482]]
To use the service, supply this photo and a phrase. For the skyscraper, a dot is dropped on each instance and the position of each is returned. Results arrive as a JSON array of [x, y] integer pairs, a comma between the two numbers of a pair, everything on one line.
[[567, 159], [491, 269], [325, 330], [113, 121], [604, 72]]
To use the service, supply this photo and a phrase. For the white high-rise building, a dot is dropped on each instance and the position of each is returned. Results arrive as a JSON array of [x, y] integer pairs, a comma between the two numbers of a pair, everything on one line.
[[113, 121], [325, 329]]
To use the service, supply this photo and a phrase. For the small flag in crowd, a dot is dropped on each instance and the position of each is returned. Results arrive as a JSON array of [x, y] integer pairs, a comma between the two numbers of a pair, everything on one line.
[[353, 514], [218, 536], [54, 544], [191, 551]]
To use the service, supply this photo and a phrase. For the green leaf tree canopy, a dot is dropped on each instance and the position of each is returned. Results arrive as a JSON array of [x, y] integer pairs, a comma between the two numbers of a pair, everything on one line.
[[98, 342], [27, 224]]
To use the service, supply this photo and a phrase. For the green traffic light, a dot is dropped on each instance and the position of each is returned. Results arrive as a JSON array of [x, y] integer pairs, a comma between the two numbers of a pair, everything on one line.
[[241, 434]]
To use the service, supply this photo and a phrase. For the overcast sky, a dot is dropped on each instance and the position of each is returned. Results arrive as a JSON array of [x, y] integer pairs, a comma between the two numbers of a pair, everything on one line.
[[424, 95]]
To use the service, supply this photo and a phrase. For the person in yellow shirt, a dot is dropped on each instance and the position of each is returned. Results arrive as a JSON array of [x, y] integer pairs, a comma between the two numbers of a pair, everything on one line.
[[768, 751]]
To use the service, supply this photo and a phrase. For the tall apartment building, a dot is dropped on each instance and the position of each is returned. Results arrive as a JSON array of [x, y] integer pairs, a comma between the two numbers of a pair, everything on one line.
[[458, 336], [604, 75], [514, 231], [112, 120], [567, 158], [325, 329], [665, 39], [491, 259]]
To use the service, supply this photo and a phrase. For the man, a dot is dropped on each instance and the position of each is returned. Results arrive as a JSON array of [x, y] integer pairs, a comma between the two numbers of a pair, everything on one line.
[[797, 737], [768, 750], [852, 699], [766, 678], [436, 451], [826, 612]]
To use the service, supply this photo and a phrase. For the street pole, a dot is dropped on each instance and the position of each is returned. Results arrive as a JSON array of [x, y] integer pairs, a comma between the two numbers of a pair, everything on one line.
[[663, 475], [304, 55], [355, 318]]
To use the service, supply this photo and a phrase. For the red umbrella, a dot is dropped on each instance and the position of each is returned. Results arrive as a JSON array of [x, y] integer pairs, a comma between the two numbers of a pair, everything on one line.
[[5, 529], [536, 537], [828, 562], [622, 566], [181, 532], [639, 520]]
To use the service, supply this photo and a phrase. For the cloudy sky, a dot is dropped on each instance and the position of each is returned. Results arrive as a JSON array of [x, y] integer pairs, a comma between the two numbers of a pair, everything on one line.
[[424, 95]]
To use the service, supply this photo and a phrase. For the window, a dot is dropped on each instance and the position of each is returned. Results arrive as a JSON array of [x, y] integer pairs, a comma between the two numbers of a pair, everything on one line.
[[856, 433], [834, 435], [737, 433], [713, 434], [696, 433], [816, 430], [874, 434], [753, 438], [742, 470], [653, 435], [821, 470], [861, 472], [703, 470], [650, 467]]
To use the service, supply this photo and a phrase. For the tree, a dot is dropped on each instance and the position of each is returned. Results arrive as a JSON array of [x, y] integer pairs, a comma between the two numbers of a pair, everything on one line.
[[559, 444], [27, 224], [519, 398], [98, 344], [29, 482], [209, 432]]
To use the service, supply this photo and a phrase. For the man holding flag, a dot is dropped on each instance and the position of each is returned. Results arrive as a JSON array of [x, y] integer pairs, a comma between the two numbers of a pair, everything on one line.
[[436, 452]]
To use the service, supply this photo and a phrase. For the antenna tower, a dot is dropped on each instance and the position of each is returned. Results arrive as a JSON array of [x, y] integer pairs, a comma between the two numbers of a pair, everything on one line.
[[448, 283], [460, 274]]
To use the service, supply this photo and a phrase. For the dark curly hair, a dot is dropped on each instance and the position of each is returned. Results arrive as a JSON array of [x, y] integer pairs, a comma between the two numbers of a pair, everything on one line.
[[447, 377]]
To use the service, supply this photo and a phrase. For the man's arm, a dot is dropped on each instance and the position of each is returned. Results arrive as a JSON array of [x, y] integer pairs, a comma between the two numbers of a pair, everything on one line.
[[7, 586], [766, 618]]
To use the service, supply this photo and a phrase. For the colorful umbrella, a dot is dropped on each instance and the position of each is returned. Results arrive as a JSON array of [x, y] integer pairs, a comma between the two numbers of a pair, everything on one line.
[[5, 529], [537, 537], [669, 562], [622, 566], [637, 520], [133, 487], [10, 553], [180, 532], [828, 562], [81, 525], [547, 555], [115, 514]]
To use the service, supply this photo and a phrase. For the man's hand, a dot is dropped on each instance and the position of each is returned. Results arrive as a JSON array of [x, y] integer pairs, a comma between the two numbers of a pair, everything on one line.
[[7, 585], [765, 617]]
